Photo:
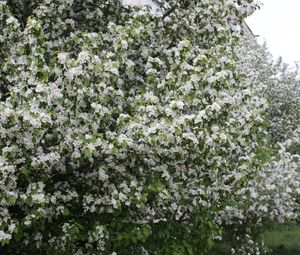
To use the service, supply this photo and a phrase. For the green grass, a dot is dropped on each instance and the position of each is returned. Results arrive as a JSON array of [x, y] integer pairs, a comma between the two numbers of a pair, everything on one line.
[[283, 240], [220, 249]]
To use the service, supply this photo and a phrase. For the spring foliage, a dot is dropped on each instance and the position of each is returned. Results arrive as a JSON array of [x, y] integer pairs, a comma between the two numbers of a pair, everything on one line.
[[124, 132]]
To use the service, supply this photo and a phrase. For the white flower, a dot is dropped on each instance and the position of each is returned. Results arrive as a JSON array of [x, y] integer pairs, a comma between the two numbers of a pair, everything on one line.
[[12, 20], [38, 198], [201, 115], [62, 57], [83, 57], [223, 136], [124, 44], [39, 88], [4, 236], [177, 104], [73, 72], [191, 137], [215, 106], [11, 227]]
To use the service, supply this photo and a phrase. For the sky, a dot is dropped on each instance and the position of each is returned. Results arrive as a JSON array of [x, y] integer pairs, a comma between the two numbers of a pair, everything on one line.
[[278, 23]]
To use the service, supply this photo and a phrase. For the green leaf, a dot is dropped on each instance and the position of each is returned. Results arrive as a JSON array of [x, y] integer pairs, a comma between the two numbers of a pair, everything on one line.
[[66, 211], [12, 200]]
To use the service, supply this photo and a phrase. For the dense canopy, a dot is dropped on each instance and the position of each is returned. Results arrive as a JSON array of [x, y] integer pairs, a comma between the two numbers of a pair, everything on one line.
[[126, 132]]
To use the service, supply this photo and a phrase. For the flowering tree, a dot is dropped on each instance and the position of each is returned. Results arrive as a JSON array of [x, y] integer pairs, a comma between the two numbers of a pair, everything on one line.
[[279, 83], [123, 132], [273, 196]]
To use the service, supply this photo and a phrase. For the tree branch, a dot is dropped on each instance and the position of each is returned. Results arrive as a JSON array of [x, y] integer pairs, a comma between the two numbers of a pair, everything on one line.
[[170, 11]]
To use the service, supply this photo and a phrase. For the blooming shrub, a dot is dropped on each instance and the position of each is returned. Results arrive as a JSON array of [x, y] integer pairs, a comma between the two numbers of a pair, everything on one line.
[[280, 85], [249, 246], [273, 195], [123, 132]]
